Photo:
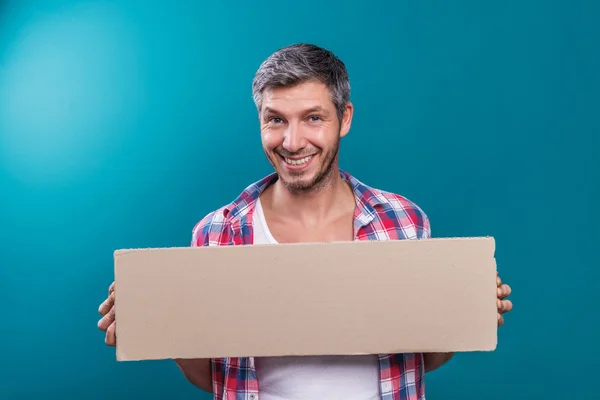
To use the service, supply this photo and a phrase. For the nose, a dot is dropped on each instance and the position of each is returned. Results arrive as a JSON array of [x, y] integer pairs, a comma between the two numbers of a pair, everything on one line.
[[293, 138]]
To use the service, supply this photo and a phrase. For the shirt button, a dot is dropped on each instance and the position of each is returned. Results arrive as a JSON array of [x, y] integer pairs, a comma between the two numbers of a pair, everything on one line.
[[253, 397]]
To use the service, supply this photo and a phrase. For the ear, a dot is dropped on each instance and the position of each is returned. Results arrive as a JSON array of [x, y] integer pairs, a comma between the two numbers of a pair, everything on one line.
[[346, 119]]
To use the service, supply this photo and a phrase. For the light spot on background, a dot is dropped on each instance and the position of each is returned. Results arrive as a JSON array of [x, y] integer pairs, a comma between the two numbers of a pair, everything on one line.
[[65, 79]]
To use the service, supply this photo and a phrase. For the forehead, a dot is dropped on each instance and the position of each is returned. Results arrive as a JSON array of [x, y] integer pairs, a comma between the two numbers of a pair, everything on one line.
[[306, 95]]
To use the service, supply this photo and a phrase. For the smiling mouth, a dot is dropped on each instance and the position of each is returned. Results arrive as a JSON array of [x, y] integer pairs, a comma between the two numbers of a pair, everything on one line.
[[298, 162]]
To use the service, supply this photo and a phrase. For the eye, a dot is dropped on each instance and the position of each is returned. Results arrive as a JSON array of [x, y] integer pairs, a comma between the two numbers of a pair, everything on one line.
[[275, 120], [314, 118]]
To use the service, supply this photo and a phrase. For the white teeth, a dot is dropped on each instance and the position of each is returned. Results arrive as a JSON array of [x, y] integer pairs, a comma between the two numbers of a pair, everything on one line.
[[298, 162]]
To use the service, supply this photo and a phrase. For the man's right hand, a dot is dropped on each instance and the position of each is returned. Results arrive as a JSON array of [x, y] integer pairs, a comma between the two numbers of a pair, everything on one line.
[[197, 371], [107, 323]]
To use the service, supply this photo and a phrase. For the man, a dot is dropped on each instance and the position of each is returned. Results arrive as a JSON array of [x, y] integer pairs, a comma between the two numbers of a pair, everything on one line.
[[302, 94]]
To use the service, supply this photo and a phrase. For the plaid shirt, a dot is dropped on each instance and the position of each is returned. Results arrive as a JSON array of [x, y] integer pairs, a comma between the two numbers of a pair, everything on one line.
[[379, 215]]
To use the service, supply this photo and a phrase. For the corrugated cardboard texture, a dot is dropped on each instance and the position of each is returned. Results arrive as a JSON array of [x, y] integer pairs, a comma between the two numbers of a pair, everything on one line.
[[364, 297]]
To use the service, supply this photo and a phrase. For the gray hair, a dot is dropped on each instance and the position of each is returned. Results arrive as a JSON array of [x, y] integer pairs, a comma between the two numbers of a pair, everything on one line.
[[299, 63]]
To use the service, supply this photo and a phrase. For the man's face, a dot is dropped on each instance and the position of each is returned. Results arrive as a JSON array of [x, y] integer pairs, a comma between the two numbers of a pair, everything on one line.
[[301, 134]]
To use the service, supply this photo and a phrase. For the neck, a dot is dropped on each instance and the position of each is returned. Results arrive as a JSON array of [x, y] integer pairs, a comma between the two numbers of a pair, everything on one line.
[[321, 204]]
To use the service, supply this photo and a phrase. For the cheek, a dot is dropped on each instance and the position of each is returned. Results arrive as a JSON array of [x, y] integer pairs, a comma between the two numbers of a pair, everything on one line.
[[321, 136], [271, 139]]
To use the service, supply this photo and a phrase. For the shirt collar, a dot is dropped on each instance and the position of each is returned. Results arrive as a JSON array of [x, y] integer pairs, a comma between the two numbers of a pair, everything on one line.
[[367, 198]]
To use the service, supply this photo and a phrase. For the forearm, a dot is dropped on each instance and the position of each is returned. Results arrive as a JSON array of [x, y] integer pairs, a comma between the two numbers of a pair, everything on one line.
[[435, 360], [197, 371]]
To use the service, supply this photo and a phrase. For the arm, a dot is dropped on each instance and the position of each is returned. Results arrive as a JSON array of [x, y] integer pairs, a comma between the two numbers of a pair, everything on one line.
[[432, 361], [435, 360], [197, 372]]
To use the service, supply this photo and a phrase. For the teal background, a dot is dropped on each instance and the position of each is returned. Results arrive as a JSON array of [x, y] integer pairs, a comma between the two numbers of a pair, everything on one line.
[[124, 123]]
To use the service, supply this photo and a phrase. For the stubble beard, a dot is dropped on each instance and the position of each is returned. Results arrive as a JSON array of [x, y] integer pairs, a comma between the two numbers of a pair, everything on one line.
[[322, 179]]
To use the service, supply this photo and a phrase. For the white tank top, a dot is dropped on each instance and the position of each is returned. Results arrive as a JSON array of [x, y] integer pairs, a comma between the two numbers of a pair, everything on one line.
[[308, 377]]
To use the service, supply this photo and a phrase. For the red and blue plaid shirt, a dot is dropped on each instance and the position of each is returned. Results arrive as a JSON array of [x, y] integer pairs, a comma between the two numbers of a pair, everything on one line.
[[379, 215]]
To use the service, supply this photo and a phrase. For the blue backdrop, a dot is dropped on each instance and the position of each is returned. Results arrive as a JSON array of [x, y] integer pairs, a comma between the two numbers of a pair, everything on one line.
[[124, 123]]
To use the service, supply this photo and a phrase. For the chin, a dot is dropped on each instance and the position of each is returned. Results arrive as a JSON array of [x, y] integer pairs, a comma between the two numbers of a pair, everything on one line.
[[303, 184], [295, 179], [297, 186]]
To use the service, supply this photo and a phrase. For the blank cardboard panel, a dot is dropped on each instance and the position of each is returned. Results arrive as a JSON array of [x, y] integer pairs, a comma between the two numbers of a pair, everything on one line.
[[364, 297]]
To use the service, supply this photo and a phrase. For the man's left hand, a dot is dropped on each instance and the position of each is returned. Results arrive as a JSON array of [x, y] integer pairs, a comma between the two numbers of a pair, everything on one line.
[[504, 305]]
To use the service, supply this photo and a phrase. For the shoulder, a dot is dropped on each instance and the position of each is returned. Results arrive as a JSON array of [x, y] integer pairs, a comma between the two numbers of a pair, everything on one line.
[[212, 230], [216, 228], [406, 212], [394, 210]]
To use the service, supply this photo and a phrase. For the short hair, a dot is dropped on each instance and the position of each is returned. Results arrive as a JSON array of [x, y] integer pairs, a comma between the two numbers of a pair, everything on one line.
[[299, 63]]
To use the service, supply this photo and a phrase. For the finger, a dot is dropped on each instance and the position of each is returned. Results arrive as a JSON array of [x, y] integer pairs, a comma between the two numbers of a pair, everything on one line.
[[500, 320], [111, 338], [498, 280], [106, 305], [505, 307], [107, 320], [504, 291], [111, 288]]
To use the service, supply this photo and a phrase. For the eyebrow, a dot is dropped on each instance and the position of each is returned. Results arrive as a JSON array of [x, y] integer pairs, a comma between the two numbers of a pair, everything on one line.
[[269, 110], [315, 109]]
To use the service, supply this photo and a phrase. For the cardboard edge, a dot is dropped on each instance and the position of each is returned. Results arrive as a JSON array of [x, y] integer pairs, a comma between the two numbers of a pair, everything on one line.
[[125, 251], [119, 354], [494, 259], [119, 253]]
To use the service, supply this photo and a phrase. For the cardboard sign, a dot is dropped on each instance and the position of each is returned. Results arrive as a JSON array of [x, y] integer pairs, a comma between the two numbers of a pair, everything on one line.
[[362, 297]]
